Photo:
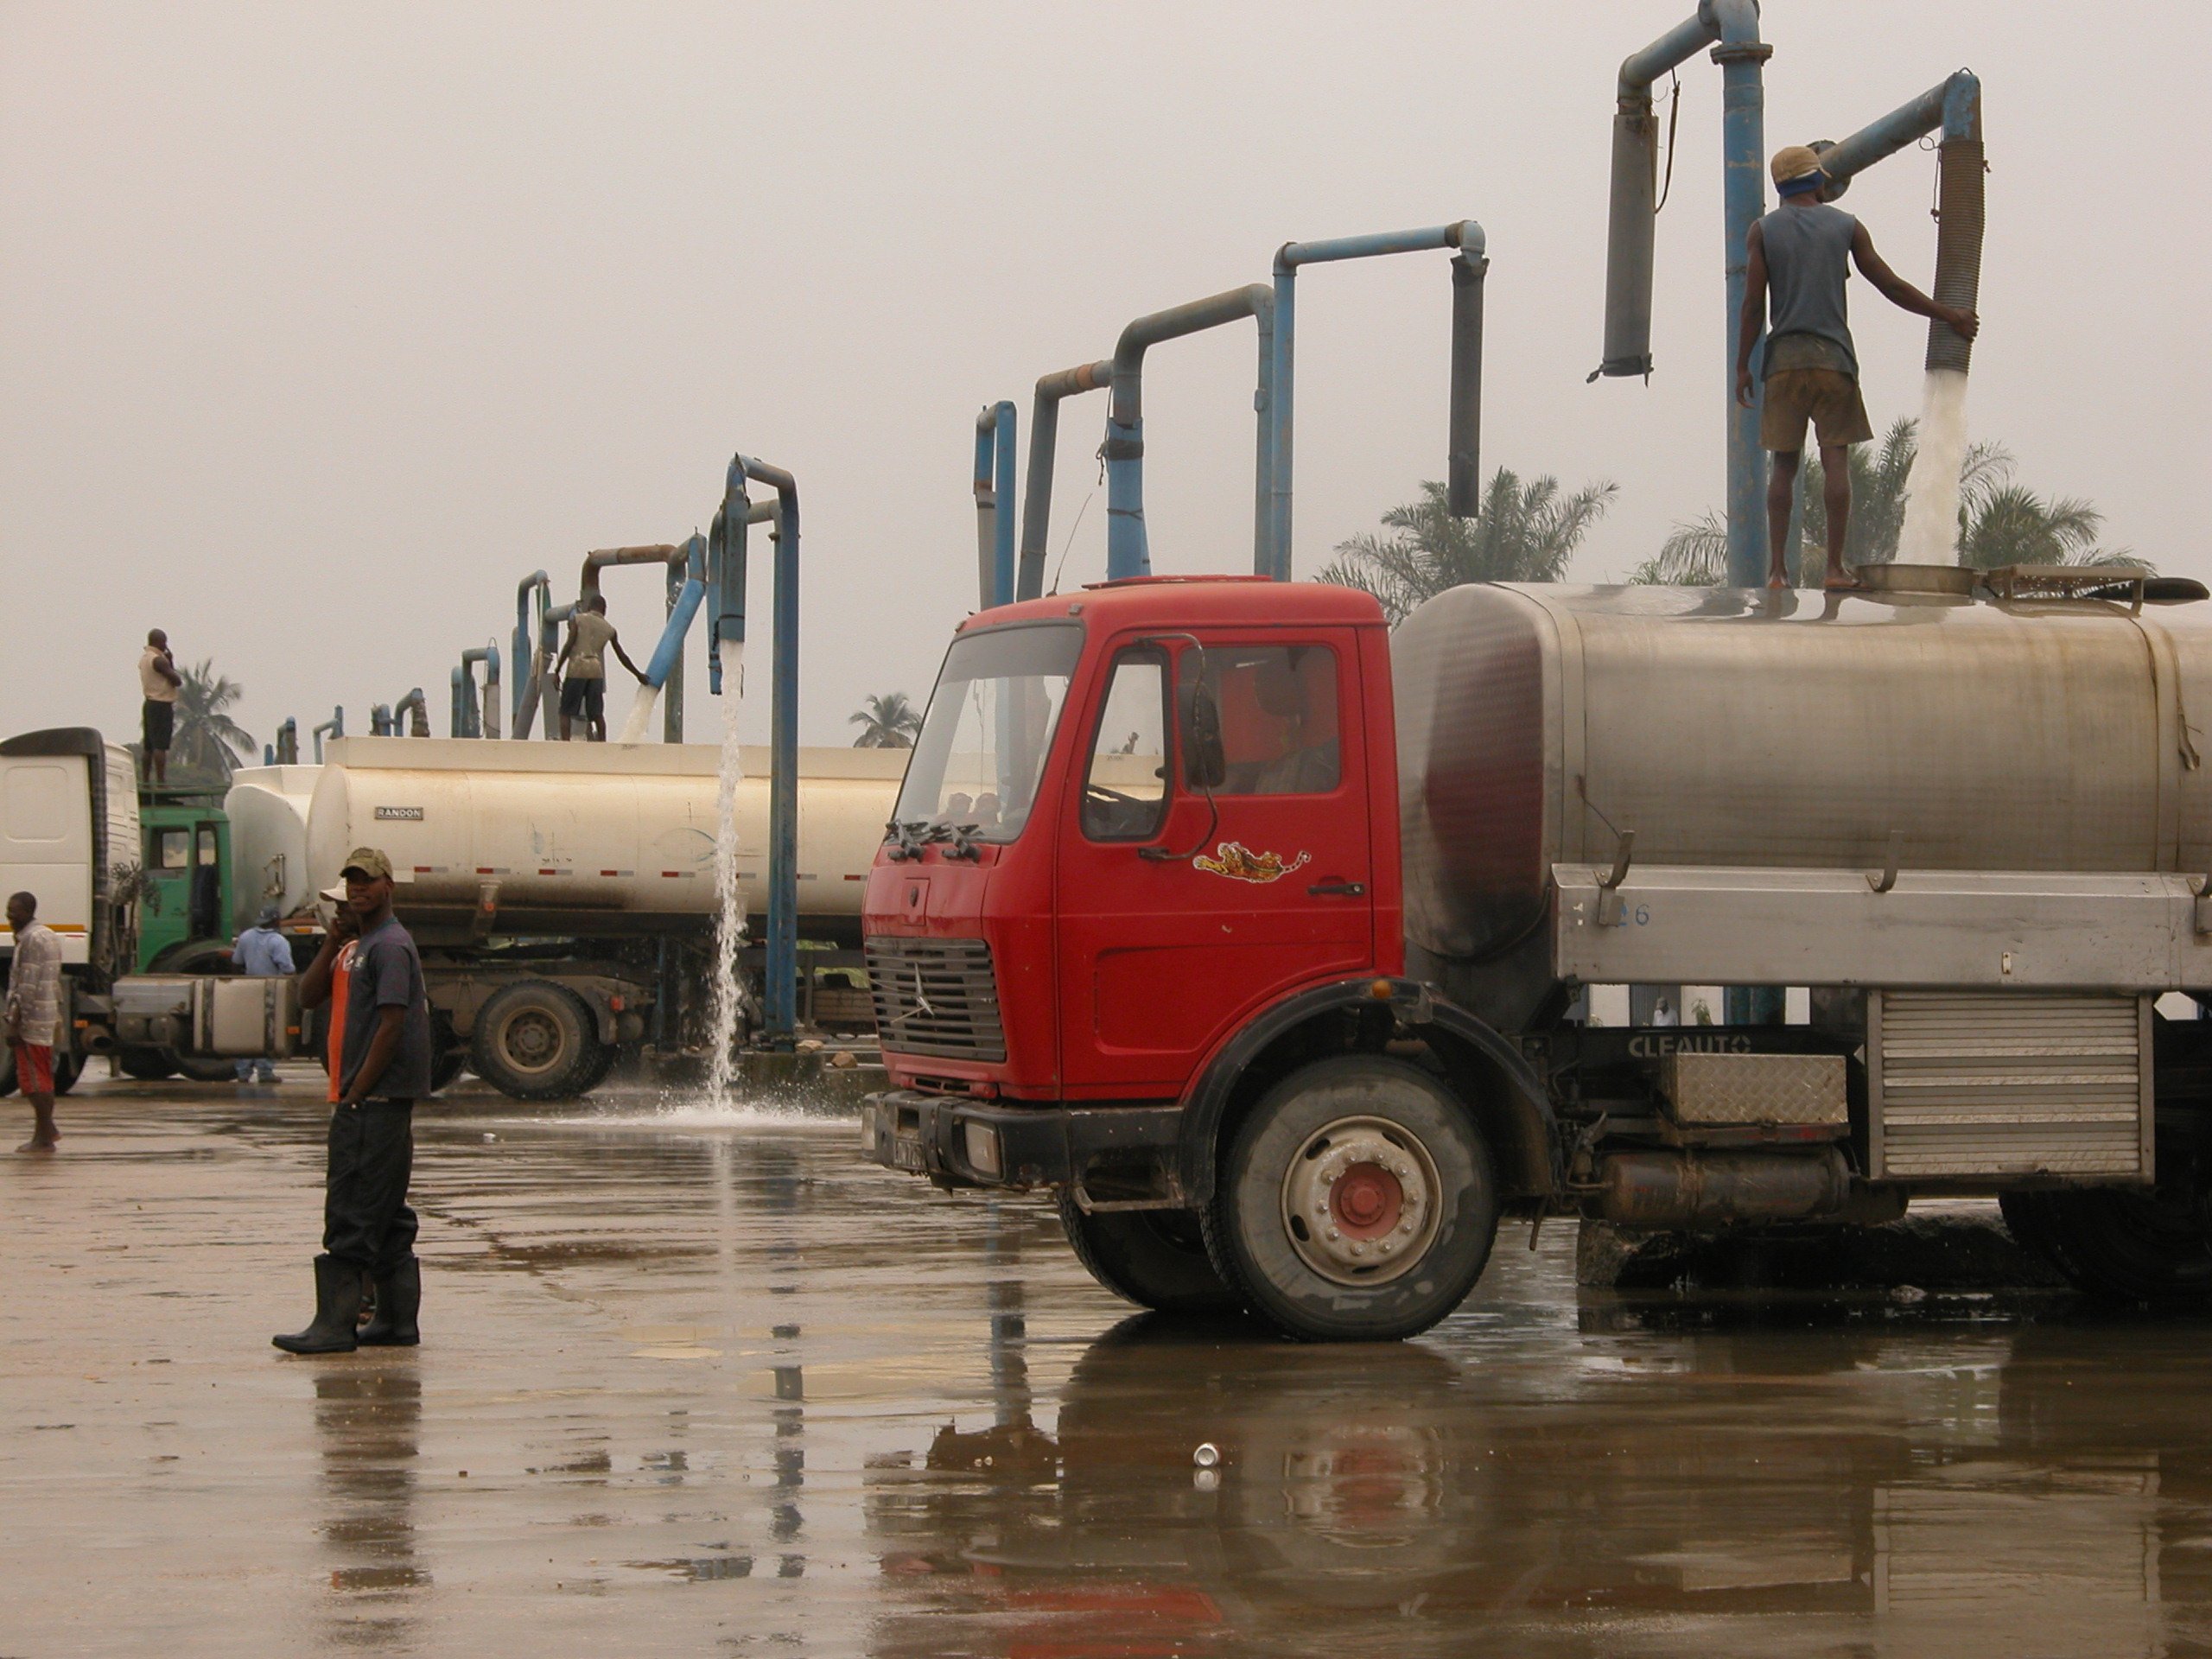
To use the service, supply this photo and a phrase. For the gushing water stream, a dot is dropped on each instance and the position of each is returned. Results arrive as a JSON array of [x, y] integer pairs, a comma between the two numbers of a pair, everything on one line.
[[727, 998], [638, 727], [1930, 533]]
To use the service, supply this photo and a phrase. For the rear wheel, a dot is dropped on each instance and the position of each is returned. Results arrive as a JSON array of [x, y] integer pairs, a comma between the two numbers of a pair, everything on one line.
[[1356, 1202], [1155, 1258], [534, 1041], [205, 1070], [2126, 1243], [147, 1065]]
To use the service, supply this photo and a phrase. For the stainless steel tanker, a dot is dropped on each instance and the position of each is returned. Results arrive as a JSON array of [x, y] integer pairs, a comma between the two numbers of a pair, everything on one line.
[[1538, 726]]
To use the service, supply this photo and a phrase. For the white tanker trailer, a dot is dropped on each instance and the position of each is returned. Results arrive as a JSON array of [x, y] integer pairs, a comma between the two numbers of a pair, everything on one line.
[[562, 895]]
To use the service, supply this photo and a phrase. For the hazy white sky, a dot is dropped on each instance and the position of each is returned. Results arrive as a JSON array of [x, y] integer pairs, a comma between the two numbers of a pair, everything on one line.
[[320, 326]]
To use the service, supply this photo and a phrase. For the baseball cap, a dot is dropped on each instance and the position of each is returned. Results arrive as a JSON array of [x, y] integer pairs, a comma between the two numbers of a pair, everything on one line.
[[267, 917], [1795, 164], [369, 861]]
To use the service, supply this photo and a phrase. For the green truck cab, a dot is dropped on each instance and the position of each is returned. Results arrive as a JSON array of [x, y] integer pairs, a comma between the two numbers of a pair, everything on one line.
[[185, 898]]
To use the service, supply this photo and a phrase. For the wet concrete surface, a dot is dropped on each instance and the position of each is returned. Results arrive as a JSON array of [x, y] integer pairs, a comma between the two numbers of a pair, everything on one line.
[[702, 1382]]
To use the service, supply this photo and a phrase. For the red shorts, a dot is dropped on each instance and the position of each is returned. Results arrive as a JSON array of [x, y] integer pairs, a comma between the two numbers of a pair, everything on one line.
[[35, 1068]]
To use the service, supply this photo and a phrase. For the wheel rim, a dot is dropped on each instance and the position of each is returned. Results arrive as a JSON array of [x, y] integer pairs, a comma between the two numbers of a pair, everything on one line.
[[1360, 1201], [531, 1040]]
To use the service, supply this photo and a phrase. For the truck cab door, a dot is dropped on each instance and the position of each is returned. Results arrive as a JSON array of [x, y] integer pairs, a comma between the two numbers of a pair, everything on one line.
[[1182, 911]]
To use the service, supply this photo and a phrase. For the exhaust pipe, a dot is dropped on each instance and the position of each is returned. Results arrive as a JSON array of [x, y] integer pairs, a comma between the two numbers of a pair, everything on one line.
[[1655, 1189]]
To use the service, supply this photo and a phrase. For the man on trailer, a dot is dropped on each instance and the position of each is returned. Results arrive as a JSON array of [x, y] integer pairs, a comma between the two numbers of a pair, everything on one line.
[[1800, 257], [583, 691], [159, 683]]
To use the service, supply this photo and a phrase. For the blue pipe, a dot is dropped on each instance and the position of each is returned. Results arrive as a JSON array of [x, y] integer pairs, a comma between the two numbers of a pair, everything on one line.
[[464, 692], [994, 447], [335, 726], [1954, 105], [381, 720], [669, 653], [526, 682], [1044, 443], [1127, 552], [417, 701], [474, 711], [1734, 25], [780, 1000], [1466, 236]]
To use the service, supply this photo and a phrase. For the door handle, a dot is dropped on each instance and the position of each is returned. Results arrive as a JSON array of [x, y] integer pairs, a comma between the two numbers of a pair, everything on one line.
[[1337, 890]]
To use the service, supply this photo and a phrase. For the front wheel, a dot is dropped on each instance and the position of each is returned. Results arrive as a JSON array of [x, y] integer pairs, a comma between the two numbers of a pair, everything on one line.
[[1356, 1202], [1155, 1258], [534, 1041]]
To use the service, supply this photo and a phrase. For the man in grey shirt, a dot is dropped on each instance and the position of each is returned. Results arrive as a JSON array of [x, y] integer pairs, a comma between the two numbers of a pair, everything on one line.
[[384, 1069], [1799, 259], [262, 951]]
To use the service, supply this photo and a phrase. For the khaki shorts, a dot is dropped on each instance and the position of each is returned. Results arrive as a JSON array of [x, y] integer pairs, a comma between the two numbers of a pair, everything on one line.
[[1827, 398]]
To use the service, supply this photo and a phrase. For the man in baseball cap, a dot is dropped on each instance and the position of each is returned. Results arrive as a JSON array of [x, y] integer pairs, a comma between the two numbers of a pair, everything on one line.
[[1799, 259], [384, 1069]]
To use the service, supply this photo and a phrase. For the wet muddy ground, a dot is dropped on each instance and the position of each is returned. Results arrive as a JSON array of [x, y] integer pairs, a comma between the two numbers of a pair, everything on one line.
[[701, 1382]]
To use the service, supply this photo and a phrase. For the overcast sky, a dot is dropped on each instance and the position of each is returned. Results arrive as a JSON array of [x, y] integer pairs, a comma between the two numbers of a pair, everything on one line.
[[320, 326]]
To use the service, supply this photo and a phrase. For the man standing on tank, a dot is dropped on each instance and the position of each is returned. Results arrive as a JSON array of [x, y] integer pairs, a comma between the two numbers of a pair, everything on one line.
[[384, 1069], [583, 690], [158, 684], [1800, 255]]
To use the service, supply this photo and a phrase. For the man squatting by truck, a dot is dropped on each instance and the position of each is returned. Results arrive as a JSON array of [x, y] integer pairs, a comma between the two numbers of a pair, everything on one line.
[[1798, 256], [384, 1069]]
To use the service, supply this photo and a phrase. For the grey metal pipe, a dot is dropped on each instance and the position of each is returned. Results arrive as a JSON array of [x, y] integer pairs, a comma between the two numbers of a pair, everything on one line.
[[1044, 441], [1126, 551], [381, 720], [480, 720], [335, 727], [420, 725], [526, 685], [994, 554], [545, 671]]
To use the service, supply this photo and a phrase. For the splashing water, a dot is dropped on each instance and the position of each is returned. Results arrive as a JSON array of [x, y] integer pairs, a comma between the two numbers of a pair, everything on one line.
[[727, 1000], [638, 727], [1930, 534]]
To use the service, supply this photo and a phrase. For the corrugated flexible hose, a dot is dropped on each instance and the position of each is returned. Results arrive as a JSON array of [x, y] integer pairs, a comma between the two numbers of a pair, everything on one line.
[[1958, 248]]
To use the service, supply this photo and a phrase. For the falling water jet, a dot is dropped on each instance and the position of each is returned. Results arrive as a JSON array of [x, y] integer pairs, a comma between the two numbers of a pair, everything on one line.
[[638, 727], [727, 999], [1930, 533]]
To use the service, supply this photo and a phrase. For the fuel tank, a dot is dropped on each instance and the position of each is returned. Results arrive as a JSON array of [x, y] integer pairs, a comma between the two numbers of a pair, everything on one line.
[[1730, 727], [589, 840]]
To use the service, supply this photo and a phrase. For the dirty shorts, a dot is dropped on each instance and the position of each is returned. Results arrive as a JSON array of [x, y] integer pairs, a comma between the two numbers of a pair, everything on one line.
[[1827, 398]]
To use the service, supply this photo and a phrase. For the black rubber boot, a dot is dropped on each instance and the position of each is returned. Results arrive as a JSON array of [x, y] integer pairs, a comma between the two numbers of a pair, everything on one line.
[[399, 1300], [337, 1302]]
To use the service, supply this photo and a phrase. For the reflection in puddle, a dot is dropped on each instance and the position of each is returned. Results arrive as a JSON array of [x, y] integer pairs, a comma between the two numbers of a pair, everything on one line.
[[368, 1421]]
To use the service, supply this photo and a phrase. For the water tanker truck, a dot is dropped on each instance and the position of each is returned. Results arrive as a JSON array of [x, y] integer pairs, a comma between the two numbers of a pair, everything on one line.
[[1263, 957], [562, 895]]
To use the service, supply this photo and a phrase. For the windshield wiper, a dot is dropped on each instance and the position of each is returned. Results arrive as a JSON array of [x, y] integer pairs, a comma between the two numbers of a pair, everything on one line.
[[909, 845]]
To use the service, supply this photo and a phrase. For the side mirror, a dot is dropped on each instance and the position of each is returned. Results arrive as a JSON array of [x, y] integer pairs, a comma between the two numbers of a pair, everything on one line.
[[1198, 717]]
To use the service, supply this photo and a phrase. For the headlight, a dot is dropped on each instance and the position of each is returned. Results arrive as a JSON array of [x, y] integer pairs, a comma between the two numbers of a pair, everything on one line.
[[982, 1143]]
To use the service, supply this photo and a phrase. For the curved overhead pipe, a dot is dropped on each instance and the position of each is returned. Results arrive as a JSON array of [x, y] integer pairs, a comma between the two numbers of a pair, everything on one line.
[[1463, 455], [525, 692], [1126, 551], [285, 751], [420, 726], [995, 440], [687, 575], [1044, 441], [779, 1006], [471, 718], [1731, 27], [335, 727]]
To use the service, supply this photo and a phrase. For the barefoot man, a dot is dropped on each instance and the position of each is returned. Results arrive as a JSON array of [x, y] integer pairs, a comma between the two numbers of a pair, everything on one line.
[[33, 1010], [1800, 255]]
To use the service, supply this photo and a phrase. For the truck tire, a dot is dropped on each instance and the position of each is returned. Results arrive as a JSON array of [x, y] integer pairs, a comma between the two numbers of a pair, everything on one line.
[[200, 1070], [1355, 1203], [2128, 1246], [534, 1041], [147, 1065], [1155, 1258]]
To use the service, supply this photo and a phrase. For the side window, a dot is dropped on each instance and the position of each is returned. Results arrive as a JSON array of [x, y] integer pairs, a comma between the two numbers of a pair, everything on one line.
[[1279, 720], [1125, 790], [172, 850]]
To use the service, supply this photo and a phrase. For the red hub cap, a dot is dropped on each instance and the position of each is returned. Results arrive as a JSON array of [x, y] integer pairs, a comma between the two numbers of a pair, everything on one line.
[[1366, 1201]]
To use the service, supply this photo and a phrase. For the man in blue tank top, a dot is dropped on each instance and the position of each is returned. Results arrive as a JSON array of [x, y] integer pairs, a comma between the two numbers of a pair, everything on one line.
[[1800, 259]]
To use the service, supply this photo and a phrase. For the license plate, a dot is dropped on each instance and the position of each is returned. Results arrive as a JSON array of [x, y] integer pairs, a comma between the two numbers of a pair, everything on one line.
[[906, 1154]]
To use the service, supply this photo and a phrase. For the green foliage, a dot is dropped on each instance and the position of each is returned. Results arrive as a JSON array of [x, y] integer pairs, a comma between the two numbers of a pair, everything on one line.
[[206, 734], [2000, 522], [886, 722], [1522, 532]]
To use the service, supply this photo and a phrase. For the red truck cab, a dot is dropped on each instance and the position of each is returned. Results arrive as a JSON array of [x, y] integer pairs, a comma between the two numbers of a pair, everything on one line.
[[1144, 874]]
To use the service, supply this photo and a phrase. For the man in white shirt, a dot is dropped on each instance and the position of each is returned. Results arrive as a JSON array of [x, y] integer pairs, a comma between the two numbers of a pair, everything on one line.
[[160, 682], [34, 1012]]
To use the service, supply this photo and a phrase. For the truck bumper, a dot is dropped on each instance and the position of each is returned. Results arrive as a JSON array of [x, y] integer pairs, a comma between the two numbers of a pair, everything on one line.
[[960, 1142]]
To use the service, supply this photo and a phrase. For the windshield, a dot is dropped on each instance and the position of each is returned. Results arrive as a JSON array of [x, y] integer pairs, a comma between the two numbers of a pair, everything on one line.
[[990, 722]]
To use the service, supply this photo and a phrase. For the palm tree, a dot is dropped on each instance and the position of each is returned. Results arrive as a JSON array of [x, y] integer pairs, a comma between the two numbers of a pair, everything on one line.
[[1523, 532], [887, 722], [206, 733], [2000, 522]]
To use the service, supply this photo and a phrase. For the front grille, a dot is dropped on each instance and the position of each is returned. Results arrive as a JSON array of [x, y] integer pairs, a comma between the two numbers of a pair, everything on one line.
[[936, 996]]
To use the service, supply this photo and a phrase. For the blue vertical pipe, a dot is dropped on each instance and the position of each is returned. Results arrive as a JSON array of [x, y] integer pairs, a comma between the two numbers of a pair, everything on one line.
[[993, 485], [780, 991], [1464, 235], [1742, 57], [1044, 443], [540, 584], [1126, 551]]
